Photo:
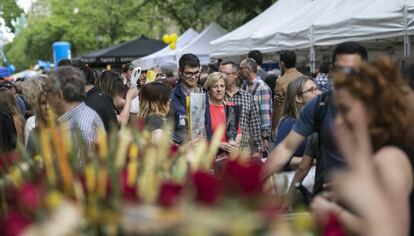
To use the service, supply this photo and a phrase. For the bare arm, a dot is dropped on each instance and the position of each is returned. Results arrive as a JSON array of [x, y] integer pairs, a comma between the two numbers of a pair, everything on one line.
[[295, 162], [123, 117], [395, 174], [300, 174], [282, 153]]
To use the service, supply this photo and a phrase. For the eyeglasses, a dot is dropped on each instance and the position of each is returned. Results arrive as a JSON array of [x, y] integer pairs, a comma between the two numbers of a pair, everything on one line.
[[312, 90], [191, 74]]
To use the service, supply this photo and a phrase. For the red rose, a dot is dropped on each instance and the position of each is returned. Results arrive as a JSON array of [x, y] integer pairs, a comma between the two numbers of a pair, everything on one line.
[[332, 227], [29, 196], [129, 193], [243, 177], [14, 224], [174, 148], [207, 189], [169, 193]]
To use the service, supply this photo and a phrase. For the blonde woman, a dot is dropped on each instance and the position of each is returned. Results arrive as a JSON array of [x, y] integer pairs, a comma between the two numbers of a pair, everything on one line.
[[223, 113]]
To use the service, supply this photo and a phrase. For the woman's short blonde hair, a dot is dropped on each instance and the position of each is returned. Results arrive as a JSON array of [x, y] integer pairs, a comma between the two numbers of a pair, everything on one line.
[[213, 78]]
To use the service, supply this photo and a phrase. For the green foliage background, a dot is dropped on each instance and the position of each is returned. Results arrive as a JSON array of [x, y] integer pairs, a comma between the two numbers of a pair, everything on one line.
[[101, 23]]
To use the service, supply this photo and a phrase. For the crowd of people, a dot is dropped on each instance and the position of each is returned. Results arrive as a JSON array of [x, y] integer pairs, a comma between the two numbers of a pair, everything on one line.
[[351, 123]]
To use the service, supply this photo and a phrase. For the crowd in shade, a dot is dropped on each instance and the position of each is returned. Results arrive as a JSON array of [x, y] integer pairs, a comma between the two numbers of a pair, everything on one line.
[[342, 136]]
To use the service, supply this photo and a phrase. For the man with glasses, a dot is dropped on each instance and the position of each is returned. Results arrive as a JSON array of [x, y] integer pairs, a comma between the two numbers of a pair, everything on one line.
[[188, 74], [262, 97], [318, 116], [249, 117]]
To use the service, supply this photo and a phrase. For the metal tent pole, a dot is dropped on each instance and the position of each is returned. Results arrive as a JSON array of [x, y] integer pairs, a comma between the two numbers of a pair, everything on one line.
[[407, 40], [312, 54]]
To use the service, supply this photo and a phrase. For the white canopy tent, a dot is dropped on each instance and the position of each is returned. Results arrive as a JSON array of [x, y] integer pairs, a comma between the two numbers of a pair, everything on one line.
[[239, 41], [166, 56], [200, 45], [329, 22], [324, 23]]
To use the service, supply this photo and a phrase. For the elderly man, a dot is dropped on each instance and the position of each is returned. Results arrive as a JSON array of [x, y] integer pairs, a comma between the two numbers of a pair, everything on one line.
[[65, 93]]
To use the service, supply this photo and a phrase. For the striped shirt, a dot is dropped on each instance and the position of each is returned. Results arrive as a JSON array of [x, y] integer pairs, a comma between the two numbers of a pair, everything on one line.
[[84, 119]]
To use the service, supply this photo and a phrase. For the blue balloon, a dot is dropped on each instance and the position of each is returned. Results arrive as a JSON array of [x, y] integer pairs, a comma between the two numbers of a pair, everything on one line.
[[11, 69]]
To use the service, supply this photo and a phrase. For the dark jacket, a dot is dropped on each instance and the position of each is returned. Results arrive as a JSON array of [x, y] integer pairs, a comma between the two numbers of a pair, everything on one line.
[[232, 120], [104, 106], [179, 113]]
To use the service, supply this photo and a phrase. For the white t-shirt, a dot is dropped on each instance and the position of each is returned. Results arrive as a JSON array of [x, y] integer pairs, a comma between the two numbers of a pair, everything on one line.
[[134, 105]]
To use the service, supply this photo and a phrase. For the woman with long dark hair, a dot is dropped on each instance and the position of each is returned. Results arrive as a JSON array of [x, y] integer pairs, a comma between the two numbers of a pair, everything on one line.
[[8, 134], [8, 104]]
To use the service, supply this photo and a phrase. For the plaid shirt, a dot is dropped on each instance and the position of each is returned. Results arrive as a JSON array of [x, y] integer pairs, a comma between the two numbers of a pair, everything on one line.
[[323, 82], [249, 119], [263, 99]]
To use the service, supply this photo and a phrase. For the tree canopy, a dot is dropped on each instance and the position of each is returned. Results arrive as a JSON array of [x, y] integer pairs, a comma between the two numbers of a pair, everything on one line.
[[92, 24], [9, 10]]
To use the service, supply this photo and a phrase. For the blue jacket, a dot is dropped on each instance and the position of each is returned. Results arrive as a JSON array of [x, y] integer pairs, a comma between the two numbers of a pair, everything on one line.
[[179, 112]]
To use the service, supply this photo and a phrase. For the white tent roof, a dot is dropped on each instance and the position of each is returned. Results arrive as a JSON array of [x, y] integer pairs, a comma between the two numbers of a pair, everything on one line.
[[329, 22], [379, 19], [238, 41], [200, 45], [166, 56]]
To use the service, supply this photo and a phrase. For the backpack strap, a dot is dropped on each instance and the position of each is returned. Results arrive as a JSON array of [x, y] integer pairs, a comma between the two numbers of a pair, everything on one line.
[[318, 117], [320, 110]]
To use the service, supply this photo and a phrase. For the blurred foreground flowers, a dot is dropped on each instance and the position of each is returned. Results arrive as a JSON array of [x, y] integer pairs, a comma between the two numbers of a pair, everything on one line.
[[128, 185]]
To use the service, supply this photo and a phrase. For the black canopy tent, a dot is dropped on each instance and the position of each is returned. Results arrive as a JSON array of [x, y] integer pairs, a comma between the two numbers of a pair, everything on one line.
[[119, 54]]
